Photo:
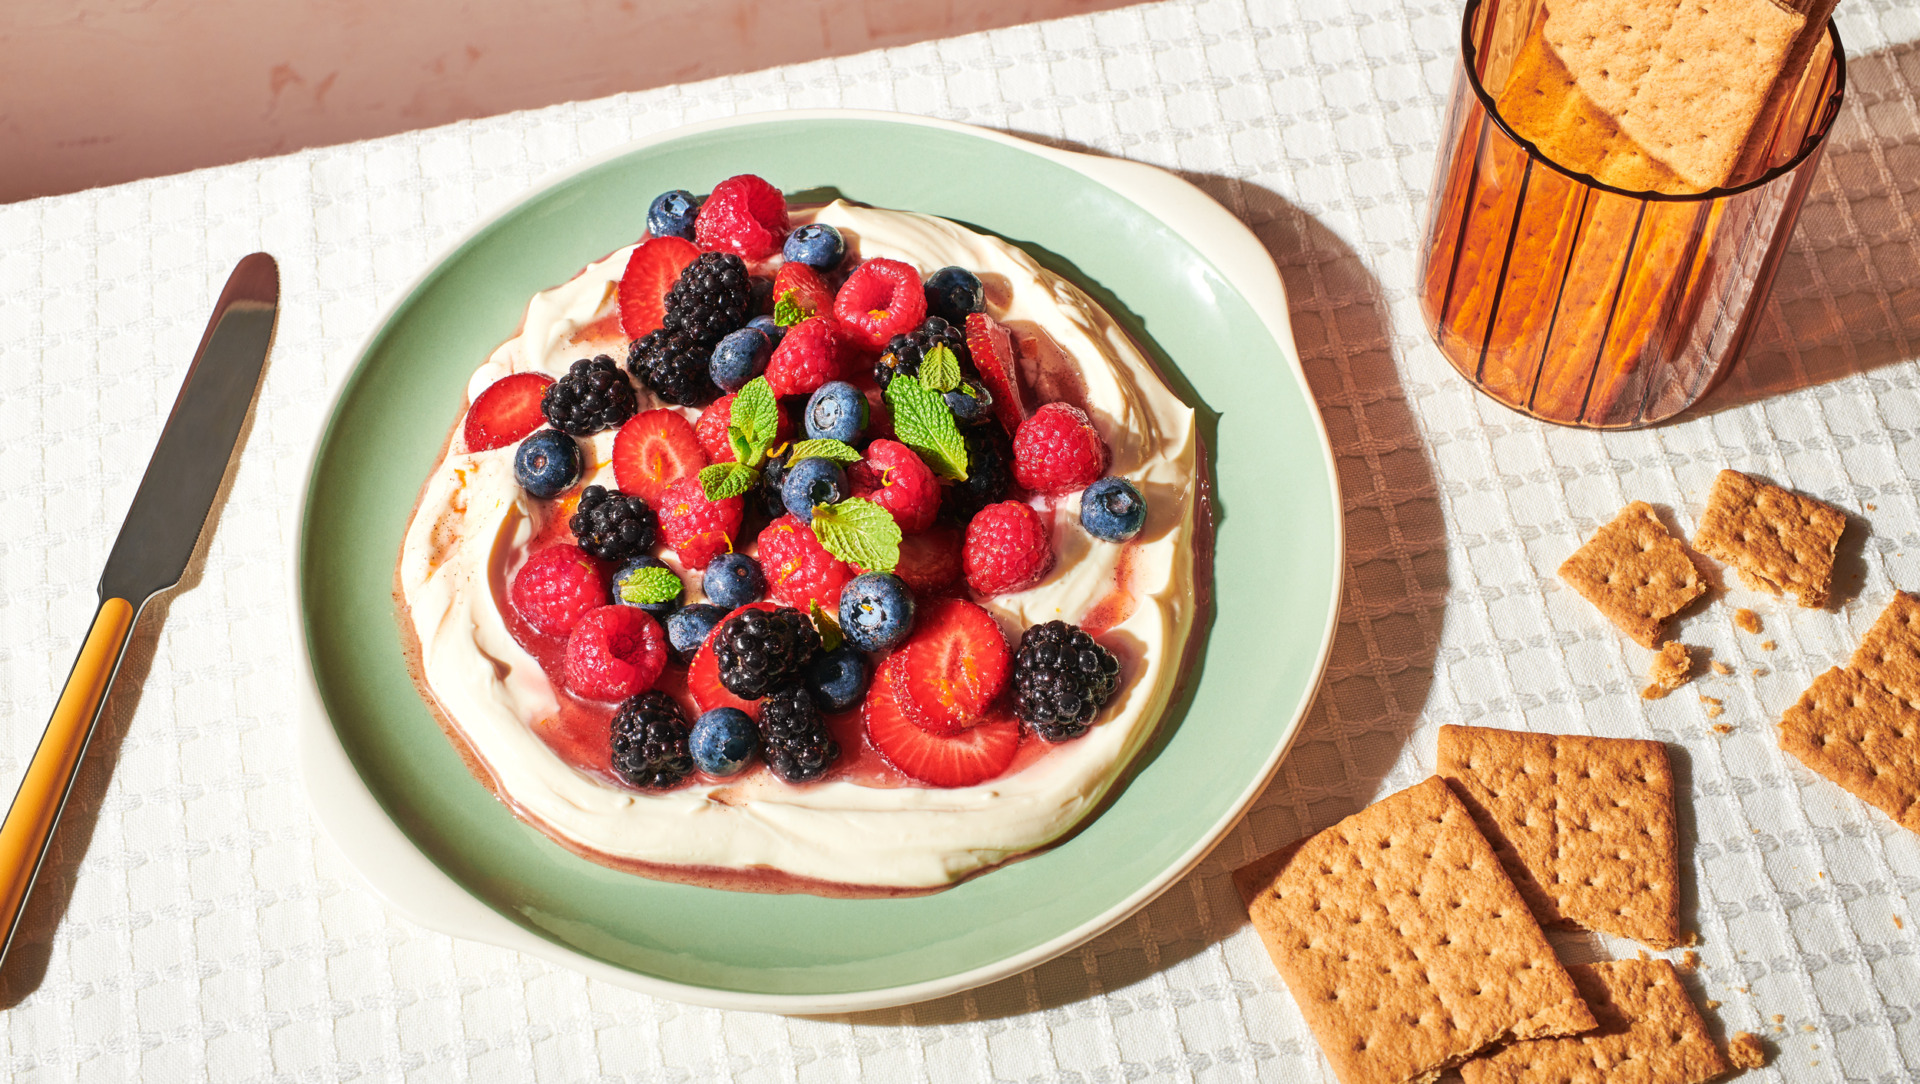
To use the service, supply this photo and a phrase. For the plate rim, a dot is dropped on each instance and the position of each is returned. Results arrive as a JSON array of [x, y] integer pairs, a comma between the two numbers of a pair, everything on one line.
[[408, 880]]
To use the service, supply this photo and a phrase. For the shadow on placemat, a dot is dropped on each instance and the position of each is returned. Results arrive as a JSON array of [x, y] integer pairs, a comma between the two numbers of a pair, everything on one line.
[[1383, 657], [1847, 296]]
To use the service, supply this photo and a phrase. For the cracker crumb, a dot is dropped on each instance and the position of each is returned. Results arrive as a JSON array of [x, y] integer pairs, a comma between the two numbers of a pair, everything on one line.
[[1714, 707], [1689, 959], [1898, 924], [1721, 668], [1711, 1004], [1672, 668], [1745, 1051], [1722, 728], [1761, 671], [1768, 645], [1779, 1018], [1873, 508], [1747, 620]]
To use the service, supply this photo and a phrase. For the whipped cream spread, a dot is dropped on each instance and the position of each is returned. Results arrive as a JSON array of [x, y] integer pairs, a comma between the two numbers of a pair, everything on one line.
[[473, 525]]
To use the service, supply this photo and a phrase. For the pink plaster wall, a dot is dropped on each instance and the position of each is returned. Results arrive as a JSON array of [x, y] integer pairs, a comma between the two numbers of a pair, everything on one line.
[[99, 91]]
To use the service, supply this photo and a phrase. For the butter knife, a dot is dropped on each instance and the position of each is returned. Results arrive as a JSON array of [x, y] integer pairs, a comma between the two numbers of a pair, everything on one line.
[[150, 555]]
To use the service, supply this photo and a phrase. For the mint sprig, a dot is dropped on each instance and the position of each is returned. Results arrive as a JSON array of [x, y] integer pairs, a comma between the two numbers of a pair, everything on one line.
[[646, 586], [836, 450], [923, 421], [722, 480], [859, 531], [830, 635], [787, 311], [752, 423], [939, 369]]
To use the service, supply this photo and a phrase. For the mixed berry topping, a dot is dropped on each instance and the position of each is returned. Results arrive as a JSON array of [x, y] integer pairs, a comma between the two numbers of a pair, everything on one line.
[[845, 559]]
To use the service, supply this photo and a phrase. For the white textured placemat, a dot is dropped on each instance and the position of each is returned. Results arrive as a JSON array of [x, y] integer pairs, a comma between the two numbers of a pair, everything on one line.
[[204, 930]]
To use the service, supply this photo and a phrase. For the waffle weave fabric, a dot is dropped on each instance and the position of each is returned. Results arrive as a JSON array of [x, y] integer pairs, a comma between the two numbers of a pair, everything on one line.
[[210, 932]]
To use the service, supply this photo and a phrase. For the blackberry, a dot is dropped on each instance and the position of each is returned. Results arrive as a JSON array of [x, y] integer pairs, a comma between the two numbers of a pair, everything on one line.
[[904, 352], [1061, 677], [763, 650], [710, 298], [989, 474], [612, 525], [793, 737], [650, 741], [594, 395], [674, 367]]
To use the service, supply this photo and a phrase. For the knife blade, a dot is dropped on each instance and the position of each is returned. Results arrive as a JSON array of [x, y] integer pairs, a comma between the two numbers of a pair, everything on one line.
[[156, 541]]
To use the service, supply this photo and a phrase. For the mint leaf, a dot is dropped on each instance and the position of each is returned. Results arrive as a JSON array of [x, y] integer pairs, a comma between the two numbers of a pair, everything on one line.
[[723, 480], [646, 586], [923, 422], [756, 415], [787, 311], [830, 635], [939, 369], [838, 451], [738, 442], [859, 531]]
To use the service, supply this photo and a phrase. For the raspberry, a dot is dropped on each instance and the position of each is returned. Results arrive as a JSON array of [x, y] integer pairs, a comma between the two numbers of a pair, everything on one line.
[[806, 358], [614, 652], [881, 299], [894, 477], [556, 587], [712, 428], [931, 560], [612, 526], [810, 294], [1058, 450], [698, 529], [799, 570], [650, 741], [745, 216], [1007, 548]]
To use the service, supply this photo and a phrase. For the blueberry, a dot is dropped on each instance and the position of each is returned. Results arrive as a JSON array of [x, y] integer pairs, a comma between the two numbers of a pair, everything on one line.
[[760, 295], [739, 357], [659, 610], [733, 580], [723, 741], [969, 402], [876, 611], [687, 629], [765, 325], [672, 214], [547, 463], [1112, 509], [817, 245], [812, 481], [837, 411], [953, 292], [838, 680], [772, 474]]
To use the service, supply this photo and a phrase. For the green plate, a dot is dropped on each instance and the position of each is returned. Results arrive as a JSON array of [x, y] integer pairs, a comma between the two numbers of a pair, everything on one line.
[[1185, 278]]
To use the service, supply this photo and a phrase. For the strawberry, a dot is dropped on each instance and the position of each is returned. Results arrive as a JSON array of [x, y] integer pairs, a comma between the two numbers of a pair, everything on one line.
[[930, 560], [651, 272], [1008, 548], [698, 529], [745, 216], [799, 570], [1058, 450], [963, 759], [556, 588], [614, 652], [703, 675], [655, 449], [956, 663], [712, 429], [991, 345], [807, 357], [810, 294], [508, 410], [881, 299], [894, 477]]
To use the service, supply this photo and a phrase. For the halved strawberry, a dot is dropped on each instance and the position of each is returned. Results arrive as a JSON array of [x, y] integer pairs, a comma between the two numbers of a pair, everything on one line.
[[655, 449], [809, 292], [508, 410], [651, 272], [971, 756], [991, 345], [930, 560], [956, 661], [703, 674]]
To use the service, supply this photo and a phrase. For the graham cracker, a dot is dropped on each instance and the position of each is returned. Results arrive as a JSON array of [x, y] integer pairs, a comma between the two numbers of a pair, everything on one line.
[[1778, 540], [1404, 945], [1649, 1033], [1853, 730], [1672, 668], [1543, 106], [1746, 1051], [1685, 79], [1635, 573], [1890, 651], [1585, 826]]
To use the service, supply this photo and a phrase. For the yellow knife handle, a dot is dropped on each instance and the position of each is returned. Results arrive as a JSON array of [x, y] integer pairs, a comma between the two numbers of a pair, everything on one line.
[[43, 792]]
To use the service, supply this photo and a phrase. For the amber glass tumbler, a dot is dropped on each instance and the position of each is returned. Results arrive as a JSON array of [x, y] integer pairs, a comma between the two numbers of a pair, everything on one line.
[[1584, 304]]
